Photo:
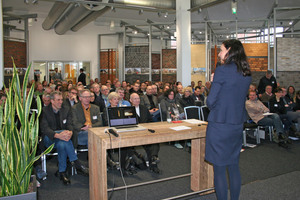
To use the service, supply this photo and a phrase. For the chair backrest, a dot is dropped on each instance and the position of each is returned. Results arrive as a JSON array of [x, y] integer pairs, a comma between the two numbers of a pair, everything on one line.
[[192, 112], [204, 113], [161, 118]]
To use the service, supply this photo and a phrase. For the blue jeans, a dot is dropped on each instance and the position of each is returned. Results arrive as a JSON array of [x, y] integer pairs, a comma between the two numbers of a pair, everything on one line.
[[64, 150], [156, 116], [272, 120], [83, 138]]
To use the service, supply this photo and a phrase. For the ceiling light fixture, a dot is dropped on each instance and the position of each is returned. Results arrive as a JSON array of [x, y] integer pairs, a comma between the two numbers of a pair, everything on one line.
[[168, 27], [166, 15], [291, 22], [134, 32]]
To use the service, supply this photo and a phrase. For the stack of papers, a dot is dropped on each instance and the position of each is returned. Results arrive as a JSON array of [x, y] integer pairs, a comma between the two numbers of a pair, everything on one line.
[[179, 128]]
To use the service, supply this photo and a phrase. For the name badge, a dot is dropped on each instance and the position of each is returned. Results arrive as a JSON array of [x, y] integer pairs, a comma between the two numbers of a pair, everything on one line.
[[273, 82], [64, 121], [275, 105], [95, 117]]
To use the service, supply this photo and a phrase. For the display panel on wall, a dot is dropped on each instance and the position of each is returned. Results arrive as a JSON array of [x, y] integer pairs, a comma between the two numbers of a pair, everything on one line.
[[169, 68], [108, 65], [136, 63], [288, 54]]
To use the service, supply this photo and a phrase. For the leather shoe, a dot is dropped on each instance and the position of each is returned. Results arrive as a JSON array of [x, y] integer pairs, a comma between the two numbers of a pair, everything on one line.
[[284, 145], [64, 178], [154, 169], [81, 169]]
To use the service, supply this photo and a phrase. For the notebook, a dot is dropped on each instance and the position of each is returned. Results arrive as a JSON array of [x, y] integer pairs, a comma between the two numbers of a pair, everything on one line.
[[123, 119]]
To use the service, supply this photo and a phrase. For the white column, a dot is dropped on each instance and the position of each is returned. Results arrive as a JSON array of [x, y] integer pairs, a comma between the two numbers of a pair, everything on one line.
[[1, 49], [183, 40]]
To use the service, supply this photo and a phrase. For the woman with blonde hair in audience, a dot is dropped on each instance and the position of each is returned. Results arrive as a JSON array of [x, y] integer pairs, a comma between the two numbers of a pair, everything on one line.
[[187, 99]]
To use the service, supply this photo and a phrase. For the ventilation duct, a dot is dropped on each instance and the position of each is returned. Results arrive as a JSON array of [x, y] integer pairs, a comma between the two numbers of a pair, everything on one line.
[[91, 17], [55, 13], [77, 13]]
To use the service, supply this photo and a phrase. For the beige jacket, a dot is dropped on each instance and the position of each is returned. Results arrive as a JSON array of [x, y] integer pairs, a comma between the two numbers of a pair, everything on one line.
[[256, 109]]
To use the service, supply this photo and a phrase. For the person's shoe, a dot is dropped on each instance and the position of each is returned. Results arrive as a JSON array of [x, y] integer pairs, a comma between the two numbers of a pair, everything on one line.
[[178, 146], [154, 168], [41, 174], [155, 159], [64, 178], [80, 168], [284, 145], [112, 164]]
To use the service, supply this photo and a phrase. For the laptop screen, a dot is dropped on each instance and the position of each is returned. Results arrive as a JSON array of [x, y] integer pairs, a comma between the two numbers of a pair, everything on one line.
[[121, 116]]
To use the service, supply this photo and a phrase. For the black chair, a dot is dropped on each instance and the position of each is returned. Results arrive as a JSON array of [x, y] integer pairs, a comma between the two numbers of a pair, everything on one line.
[[192, 112], [204, 113]]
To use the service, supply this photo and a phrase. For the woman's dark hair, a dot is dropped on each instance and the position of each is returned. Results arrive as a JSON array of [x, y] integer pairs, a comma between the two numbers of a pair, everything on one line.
[[169, 92], [288, 90], [237, 55]]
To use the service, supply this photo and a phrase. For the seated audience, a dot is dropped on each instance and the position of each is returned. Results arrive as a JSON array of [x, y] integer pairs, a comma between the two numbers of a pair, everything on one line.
[[98, 97], [179, 92], [257, 112], [46, 100], [267, 95], [71, 99], [187, 99], [278, 106], [144, 117], [84, 116], [151, 103], [56, 127], [198, 95]]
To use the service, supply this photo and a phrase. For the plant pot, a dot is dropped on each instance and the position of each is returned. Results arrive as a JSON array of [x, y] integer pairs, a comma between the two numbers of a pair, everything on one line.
[[31, 195]]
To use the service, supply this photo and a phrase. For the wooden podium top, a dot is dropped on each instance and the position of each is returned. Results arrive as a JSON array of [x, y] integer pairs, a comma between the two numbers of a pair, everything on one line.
[[163, 133]]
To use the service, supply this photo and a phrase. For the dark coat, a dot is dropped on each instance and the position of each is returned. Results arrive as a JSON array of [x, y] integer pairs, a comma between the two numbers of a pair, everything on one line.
[[82, 79], [48, 122], [145, 116], [227, 97], [277, 107], [187, 101], [99, 101], [145, 101], [264, 82], [226, 101]]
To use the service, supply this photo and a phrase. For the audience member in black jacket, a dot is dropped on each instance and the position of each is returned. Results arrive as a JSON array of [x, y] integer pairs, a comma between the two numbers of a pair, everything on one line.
[[145, 117], [187, 99], [277, 105]]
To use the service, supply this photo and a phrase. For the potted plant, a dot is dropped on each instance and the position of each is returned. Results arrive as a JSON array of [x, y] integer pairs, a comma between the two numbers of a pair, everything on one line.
[[18, 138]]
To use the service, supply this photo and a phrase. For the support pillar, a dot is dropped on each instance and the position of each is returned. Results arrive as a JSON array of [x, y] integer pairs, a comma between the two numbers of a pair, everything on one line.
[[183, 40]]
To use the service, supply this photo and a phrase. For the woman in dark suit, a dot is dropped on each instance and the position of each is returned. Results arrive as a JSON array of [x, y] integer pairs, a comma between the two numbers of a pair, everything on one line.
[[226, 101]]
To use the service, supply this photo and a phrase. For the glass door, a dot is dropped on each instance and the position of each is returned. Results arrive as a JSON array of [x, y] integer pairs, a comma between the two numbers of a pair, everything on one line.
[[40, 73]]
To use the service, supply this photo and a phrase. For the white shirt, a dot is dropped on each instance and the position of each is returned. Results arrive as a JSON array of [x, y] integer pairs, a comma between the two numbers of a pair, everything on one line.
[[137, 109]]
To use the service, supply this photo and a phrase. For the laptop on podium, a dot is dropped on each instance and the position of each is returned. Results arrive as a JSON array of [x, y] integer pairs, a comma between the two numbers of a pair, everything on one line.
[[123, 119]]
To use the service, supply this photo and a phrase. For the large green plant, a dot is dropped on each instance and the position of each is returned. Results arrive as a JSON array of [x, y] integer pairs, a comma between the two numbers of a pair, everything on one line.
[[18, 137]]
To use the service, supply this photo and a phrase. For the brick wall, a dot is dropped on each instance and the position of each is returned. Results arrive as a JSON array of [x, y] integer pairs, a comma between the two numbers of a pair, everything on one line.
[[288, 54], [17, 50], [107, 66]]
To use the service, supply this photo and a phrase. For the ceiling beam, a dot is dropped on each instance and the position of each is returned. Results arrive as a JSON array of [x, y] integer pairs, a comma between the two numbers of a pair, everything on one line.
[[18, 17]]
